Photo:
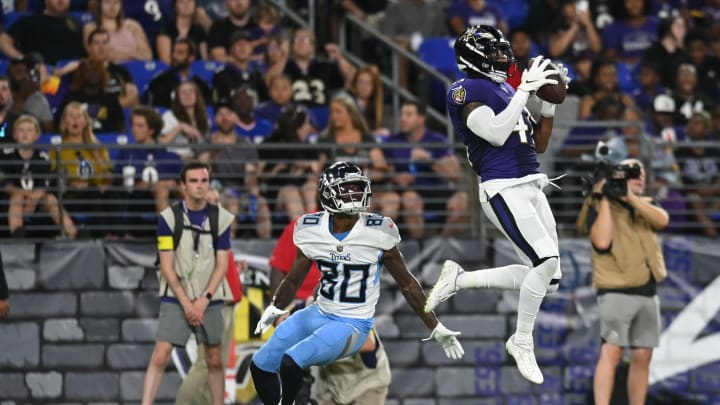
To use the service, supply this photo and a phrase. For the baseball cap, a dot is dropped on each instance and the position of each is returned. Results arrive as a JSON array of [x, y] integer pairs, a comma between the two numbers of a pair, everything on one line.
[[663, 103], [239, 35]]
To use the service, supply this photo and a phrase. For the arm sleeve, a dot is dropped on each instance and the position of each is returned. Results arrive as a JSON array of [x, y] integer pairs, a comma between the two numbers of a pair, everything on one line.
[[495, 129], [223, 242]]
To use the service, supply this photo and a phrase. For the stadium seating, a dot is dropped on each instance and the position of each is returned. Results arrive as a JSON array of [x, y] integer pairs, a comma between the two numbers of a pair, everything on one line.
[[12, 17], [438, 53], [319, 117], [205, 69], [144, 71]]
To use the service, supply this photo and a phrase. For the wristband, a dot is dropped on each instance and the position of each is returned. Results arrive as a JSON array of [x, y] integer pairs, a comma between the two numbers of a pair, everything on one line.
[[208, 295], [547, 109]]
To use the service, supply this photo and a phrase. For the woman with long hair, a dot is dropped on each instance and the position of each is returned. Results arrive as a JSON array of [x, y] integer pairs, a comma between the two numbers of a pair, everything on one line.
[[89, 88], [127, 37], [366, 88], [187, 121], [346, 128], [85, 168], [289, 174], [183, 25]]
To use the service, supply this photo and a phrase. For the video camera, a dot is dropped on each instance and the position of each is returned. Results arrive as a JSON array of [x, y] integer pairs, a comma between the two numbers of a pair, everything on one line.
[[616, 175]]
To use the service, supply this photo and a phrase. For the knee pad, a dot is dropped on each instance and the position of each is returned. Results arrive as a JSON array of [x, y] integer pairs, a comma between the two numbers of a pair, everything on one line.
[[551, 267], [547, 266]]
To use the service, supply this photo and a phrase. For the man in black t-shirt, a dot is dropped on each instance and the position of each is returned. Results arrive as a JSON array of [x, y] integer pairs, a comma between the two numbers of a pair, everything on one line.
[[239, 19], [239, 71], [162, 88], [53, 33], [313, 81]]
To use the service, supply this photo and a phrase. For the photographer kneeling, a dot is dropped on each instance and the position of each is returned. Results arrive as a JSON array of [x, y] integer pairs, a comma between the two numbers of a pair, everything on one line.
[[627, 263]]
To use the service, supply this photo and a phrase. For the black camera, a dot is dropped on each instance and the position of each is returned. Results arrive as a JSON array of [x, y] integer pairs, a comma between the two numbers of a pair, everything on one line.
[[616, 175]]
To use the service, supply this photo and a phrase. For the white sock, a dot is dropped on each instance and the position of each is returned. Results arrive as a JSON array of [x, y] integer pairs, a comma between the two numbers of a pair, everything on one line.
[[532, 292], [507, 277]]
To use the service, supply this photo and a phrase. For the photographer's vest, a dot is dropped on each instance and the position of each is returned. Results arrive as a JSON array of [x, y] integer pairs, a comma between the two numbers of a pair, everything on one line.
[[194, 269], [635, 252]]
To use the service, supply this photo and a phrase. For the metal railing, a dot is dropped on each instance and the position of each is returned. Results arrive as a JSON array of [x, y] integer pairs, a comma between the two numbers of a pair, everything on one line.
[[114, 207]]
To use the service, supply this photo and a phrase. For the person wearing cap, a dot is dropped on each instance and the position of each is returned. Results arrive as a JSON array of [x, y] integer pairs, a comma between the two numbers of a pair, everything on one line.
[[239, 19], [161, 90], [661, 118], [700, 172], [240, 70]]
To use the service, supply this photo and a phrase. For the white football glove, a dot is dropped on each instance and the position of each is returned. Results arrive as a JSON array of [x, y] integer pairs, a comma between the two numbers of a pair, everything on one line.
[[548, 109], [564, 74], [446, 337], [535, 76], [268, 317]]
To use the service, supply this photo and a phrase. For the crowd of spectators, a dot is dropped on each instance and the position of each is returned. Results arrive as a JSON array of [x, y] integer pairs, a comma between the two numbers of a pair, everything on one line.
[[200, 75]]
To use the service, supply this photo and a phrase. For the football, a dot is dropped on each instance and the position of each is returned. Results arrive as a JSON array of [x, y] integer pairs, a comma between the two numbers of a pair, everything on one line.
[[552, 93]]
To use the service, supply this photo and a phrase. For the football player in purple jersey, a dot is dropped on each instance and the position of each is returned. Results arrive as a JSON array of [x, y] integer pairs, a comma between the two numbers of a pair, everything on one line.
[[503, 139]]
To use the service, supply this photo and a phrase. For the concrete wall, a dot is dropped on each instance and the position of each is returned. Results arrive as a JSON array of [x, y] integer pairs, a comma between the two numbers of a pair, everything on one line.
[[84, 314]]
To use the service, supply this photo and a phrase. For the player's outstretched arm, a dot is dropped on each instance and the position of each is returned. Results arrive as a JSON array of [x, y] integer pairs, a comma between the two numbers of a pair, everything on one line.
[[495, 129], [284, 293], [409, 285], [289, 285], [415, 296]]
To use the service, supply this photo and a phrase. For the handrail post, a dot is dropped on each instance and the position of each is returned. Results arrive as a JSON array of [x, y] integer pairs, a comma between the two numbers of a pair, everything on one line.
[[60, 191], [395, 69]]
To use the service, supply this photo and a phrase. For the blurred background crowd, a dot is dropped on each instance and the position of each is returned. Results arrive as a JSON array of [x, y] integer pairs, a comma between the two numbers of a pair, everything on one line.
[[101, 101]]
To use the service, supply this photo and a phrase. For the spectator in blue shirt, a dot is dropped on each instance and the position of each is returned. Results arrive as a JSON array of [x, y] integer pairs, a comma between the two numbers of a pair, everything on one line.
[[424, 175], [147, 175]]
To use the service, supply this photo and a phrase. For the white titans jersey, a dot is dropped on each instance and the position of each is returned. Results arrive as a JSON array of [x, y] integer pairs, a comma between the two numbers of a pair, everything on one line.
[[350, 283]]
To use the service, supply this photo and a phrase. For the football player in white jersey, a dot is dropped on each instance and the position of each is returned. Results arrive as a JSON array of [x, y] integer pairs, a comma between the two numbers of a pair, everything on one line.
[[350, 247]]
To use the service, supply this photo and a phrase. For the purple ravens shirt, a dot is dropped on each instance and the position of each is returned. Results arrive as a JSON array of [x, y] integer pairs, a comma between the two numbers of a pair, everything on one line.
[[514, 159]]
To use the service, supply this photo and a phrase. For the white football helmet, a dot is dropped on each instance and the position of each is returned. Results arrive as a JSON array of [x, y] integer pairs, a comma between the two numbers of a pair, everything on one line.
[[343, 188]]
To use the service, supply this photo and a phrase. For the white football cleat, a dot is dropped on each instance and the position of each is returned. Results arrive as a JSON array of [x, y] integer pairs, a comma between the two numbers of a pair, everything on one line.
[[525, 360], [445, 287]]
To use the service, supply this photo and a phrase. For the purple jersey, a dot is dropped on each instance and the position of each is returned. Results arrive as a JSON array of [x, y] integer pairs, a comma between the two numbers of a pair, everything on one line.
[[514, 159], [629, 41]]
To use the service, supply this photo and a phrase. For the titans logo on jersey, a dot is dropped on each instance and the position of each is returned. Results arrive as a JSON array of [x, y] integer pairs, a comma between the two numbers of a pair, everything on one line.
[[349, 263], [517, 157]]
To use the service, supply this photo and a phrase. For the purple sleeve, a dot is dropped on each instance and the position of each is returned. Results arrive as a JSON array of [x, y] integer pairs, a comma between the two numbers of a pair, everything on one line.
[[163, 229], [223, 242], [610, 37]]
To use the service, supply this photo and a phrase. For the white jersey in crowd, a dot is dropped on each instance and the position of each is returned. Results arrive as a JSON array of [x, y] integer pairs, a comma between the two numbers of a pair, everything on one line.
[[350, 266]]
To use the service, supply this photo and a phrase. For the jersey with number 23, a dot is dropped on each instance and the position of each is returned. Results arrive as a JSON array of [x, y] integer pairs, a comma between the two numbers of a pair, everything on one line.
[[349, 263], [517, 156]]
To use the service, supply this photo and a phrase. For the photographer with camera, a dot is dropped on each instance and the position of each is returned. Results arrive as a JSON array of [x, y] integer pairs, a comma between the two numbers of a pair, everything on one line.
[[627, 265]]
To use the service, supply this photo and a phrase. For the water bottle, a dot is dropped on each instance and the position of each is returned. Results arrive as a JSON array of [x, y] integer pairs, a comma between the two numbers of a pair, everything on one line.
[[85, 169], [412, 167]]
